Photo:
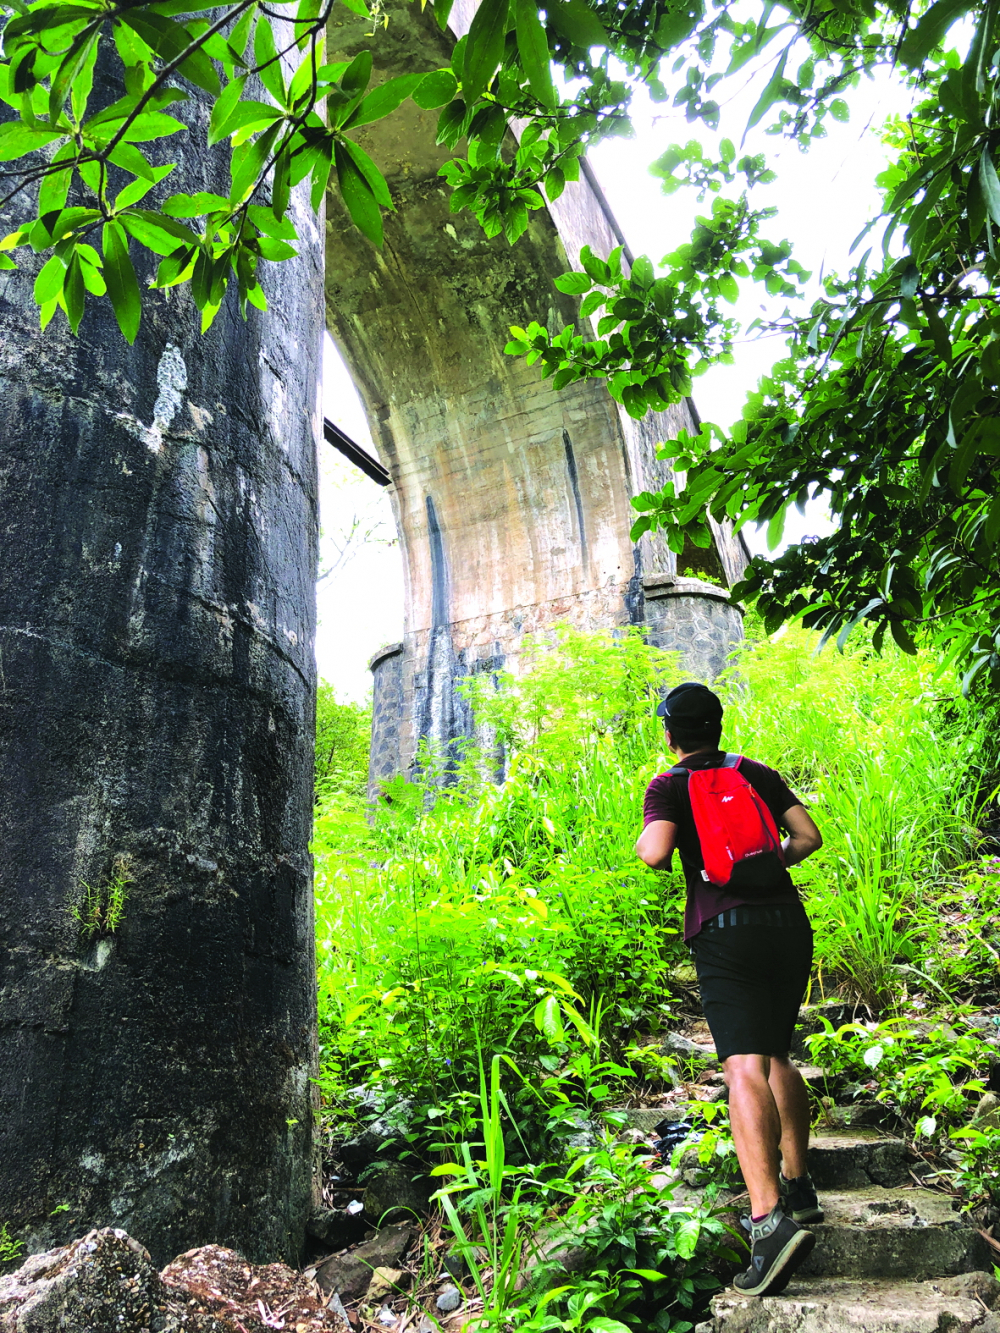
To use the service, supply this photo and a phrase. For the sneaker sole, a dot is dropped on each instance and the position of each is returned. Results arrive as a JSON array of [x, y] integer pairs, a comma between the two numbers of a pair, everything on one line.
[[795, 1252], [806, 1215]]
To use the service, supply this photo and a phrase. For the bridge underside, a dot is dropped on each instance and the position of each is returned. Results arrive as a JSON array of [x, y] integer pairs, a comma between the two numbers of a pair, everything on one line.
[[512, 501]]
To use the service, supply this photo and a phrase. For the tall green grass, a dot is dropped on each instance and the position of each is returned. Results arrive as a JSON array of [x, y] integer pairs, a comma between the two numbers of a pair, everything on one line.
[[492, 917]]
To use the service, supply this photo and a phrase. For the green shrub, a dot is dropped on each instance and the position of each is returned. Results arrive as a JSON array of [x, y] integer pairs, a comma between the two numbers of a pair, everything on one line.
[[506, 915], [343, 737]]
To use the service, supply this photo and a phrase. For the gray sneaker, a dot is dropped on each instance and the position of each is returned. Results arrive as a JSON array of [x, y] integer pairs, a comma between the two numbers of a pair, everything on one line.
[[798, 1199], [778, 1246]]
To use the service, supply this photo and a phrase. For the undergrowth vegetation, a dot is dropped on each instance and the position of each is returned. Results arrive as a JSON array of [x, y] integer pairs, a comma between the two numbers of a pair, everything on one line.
[[476, 935]]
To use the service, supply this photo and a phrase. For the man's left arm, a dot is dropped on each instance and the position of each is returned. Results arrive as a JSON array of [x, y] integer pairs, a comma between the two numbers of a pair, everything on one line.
[[656, 844]]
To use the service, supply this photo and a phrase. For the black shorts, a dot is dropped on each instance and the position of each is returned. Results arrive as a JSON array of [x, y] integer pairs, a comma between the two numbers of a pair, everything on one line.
[[753, 967]]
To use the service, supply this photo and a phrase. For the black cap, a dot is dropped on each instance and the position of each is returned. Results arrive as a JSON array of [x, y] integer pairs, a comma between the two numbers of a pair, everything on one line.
[[691, 706]]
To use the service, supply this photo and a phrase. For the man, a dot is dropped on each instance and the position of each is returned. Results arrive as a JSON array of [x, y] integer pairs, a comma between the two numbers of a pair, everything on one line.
[[752, 946]]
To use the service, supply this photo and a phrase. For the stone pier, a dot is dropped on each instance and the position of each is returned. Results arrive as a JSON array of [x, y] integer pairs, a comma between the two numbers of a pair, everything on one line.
[[512, 501]]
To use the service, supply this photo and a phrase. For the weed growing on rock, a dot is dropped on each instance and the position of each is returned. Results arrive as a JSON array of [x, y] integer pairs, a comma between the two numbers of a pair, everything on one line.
[[10, 1249], [103, 908]]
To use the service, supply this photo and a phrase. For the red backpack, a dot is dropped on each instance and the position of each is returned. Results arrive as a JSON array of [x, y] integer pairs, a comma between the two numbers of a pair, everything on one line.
[[740, 845]]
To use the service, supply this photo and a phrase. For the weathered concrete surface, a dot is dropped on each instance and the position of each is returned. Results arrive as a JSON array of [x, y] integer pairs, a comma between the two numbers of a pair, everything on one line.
[[904, 1233], [831, 1305], [156, 704], [512, 501], [857, 1158]]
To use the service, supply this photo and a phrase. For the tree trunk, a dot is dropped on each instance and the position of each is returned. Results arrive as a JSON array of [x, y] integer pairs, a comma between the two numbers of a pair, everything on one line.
[[156, 722]]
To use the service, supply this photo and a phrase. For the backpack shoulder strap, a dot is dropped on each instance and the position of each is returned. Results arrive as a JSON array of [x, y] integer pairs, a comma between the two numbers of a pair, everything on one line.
[[732, 761]]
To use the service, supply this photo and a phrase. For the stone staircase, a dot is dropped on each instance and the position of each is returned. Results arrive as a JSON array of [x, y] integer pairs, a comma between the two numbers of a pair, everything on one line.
[[890, 1257]]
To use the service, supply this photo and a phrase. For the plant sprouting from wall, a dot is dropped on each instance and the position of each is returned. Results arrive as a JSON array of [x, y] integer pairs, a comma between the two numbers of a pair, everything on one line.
[[10, 1248], [103, 908]]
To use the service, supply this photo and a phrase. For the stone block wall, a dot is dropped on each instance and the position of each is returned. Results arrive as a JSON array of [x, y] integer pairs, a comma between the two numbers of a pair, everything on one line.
[[695, 619]]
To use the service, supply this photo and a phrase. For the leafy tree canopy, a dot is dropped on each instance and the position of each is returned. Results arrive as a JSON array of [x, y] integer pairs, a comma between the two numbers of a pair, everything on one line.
[[887, 401]]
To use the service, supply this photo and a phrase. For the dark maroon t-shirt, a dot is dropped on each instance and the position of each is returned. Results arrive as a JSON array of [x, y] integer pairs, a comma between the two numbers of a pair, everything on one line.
[[668, 799]]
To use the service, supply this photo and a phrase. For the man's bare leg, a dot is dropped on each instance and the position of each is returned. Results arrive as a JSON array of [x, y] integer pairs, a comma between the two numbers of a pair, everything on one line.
[[756, 1126], [791, 1097]]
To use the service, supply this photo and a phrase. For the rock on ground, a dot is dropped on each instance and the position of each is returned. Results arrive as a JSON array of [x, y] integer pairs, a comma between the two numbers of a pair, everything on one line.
[[350, 1273], [106, 1283]]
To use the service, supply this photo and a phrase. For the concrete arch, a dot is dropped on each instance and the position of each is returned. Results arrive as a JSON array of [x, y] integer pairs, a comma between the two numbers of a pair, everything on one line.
[[512, 501]]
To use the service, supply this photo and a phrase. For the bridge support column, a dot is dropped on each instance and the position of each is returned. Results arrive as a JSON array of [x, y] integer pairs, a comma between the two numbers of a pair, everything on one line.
[[512, 501]]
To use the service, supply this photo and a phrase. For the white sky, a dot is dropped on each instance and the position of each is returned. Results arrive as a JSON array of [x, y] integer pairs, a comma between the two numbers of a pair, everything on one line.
[[824, 197]]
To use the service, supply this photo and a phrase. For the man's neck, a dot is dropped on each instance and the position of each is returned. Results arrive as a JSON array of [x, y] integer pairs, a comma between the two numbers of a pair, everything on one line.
[[704, 749]]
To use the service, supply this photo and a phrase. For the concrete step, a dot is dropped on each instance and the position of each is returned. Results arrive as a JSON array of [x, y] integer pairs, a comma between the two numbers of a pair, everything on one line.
[[852, 1158], [962, 1304], [893, 1233]]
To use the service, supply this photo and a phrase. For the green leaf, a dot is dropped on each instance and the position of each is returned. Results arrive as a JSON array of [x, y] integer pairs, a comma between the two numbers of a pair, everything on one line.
[[71, 66], [604, 1325], [383, 100], [776, 528], [50, 280], [729, 288], [930, 31], [591, 304], [577, 22], [642, 272], [240, 34], [46, 17], [130, 159], [223, 108], [247, 113], [435, 89], [634, 399], [451, 123], [548, 1019], [274, 249], [140, 188], [17, 139], [903, 637], [990, 184], [194, 205], [485, 47], [358, 195], [991, 528], [156, 231], [555, 183], [176, 267], [264, 219], [975, 204], [358, 74], [574, 284], [771, 93], [533, 48], [321, 175], [120, 277], [686, 1237], [265, 54], [118, 111], [371, 173], [247, 167], [55, 186], [169, 39], [74, 293]]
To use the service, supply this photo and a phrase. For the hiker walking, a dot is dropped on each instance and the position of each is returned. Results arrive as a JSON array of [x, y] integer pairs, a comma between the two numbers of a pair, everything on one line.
[[752, 947]]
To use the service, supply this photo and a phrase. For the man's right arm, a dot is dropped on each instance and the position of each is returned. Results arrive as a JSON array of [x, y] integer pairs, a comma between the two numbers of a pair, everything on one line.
[[804, 837]]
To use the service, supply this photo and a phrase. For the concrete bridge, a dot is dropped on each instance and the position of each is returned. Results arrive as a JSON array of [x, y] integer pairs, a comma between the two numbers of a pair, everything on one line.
[[512, 500]]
